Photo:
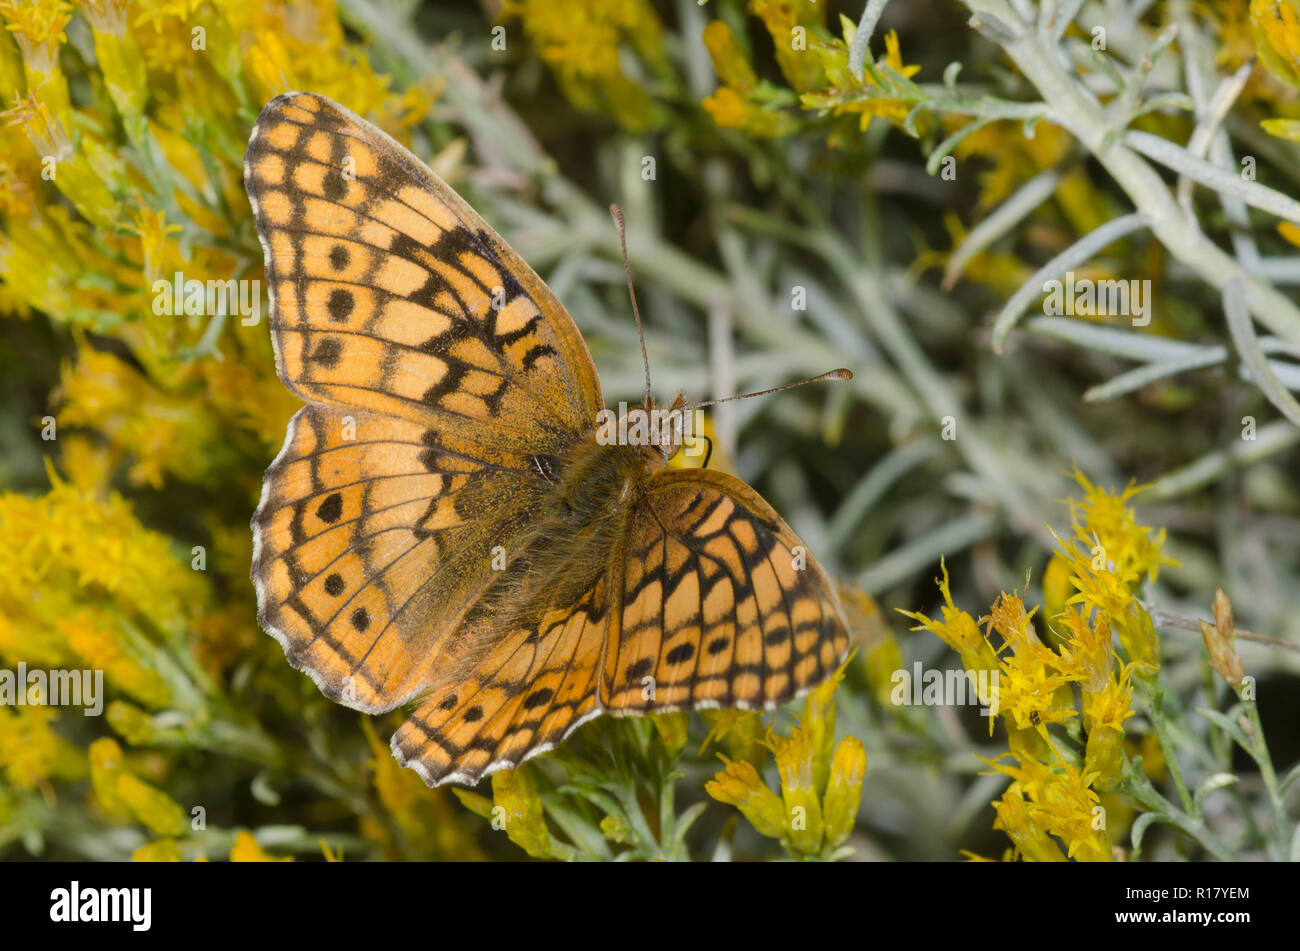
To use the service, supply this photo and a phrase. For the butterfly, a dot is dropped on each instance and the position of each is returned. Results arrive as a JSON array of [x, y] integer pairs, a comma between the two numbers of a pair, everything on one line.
[[442, 528]]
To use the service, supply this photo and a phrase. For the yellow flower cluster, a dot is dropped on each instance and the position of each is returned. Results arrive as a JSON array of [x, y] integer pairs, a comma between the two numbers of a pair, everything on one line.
[[137, 179], [1056, 792], [1275, 28], [813, 62], [820, 782], [88, 585], [582, 43], [121, 142]]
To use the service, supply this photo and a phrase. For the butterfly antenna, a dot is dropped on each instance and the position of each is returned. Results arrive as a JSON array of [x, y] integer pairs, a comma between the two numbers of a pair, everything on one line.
[[840, 374], [617, 212]]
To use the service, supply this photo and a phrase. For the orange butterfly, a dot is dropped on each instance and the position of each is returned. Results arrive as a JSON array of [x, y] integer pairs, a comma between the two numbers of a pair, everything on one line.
[[443, 526]]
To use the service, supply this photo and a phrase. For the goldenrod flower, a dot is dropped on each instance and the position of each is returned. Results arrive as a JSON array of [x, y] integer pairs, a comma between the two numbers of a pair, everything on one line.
[[151, 806], [424, 817], [120, 60], [248, 849], [1055, 799], [729, 60], [1276, 28], [1104, 714], [795, 762], [958, 630], [130, 723], [738, 784], [39, 27], [1103, 518], [31, 753], [787, 21], [740, 730], [120, 791], [74, 172], [819, 724], [731, 110], [581, 43], [1102, 588], [844, 790], [1057, 591], [1030, 840], [515, 793], [1087, 656], [615, 829], [162, 850]]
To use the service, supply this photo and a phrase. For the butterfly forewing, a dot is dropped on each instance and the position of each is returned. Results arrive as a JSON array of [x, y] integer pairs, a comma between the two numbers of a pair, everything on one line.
[[391, 294]]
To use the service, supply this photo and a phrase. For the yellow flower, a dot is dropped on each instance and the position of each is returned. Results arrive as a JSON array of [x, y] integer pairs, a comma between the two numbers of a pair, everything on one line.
[[819, 723], [795, 762], [247, 849], [844, 790], [1054, 799], [1100, 588], [1030, 840], [515, 793], [672, 730], [1104, 519], [31, 753], [151, 806], [958, 630], [120, 792], [120, 60], [738, 784], [91, 637], [1087, 655], [163, 850], [424, 817], [1057, 591], [793, 25], [74, 173], [741, 731], [39, 27], [1276, 28], [1104, 714], [732, 111], [582, 41], [729, 60]]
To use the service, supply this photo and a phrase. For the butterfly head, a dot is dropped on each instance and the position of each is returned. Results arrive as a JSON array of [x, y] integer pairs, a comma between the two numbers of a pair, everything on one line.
[[673, 426]]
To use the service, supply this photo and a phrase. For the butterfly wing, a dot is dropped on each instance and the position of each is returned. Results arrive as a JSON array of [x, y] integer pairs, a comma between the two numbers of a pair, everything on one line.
[[539, 683], [440, 370], [721, 605]]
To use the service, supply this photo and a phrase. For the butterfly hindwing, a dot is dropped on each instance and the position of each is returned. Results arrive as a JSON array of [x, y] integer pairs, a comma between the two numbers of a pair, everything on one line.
[[721, 606], [537, 684]]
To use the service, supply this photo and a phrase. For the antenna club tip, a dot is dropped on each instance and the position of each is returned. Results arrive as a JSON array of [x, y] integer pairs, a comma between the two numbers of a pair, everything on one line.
[[843, 373]]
